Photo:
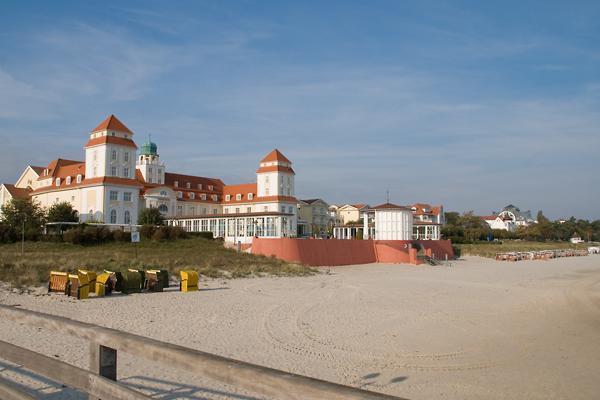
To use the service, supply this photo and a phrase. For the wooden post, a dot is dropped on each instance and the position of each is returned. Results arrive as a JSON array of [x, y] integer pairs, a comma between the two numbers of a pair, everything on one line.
[[103, 361]]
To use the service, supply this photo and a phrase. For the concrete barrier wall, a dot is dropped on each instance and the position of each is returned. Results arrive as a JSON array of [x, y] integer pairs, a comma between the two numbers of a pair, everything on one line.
[[316, 252], [346, 252]]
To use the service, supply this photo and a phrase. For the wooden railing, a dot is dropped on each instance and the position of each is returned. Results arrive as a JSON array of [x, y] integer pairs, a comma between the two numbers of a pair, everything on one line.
[[105, 343]]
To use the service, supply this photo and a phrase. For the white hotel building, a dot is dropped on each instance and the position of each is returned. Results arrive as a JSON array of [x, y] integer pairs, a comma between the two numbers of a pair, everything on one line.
[[114, 183]]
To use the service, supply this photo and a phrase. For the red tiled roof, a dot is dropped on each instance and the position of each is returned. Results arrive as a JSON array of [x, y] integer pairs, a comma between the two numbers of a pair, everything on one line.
[[390, 206], [359, 205], [244, 189], [15, 192], [275, 155], [38, 170], [110, 139], [182, 181], [112, 123], [139, 177], [61, 168], [275, 168], [111, 180], [420, 207]]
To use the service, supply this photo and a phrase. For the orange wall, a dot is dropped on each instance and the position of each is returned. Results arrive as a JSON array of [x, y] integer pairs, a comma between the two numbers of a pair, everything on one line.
[[333, 252]]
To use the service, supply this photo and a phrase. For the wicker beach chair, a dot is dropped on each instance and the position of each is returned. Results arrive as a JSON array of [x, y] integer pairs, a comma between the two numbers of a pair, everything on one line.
[[142, 274], [131, 282], [58, 282], [189, 281], [104, 284], [79, 285], [117, 278], [153, 282]]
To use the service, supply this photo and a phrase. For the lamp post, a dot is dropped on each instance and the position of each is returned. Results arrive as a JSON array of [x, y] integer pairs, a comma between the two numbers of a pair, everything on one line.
[[23, 234]]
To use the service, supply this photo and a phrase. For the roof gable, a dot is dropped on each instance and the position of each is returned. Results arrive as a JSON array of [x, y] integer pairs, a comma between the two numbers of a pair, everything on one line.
[[112, 123], [275, 155], [390, 206], [15, 192]]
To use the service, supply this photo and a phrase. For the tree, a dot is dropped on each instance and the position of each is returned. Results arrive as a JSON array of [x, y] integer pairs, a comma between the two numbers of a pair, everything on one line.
[[62, 212], [452, 218], [150, 216], [19, 214]]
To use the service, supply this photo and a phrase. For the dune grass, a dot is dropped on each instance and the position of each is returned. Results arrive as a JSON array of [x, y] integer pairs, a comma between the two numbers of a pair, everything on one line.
[[207, 257], [490, 249]]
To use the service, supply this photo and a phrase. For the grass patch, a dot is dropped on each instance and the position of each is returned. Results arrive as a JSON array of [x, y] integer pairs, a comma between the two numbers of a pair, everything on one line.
[[207, 257], [489, 249]]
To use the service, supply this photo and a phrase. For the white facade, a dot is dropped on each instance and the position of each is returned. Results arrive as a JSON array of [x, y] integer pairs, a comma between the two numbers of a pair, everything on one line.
[[393, 224], [501, 223]]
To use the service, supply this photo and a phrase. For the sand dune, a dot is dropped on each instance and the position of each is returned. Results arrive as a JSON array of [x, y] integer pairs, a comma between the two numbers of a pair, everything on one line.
[[478, 329]]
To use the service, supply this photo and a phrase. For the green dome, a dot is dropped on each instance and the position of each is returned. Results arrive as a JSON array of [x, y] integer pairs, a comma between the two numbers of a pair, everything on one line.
[[149, 149]]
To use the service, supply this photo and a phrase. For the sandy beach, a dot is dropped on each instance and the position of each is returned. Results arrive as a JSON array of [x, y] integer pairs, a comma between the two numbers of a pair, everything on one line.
[[478, 329]]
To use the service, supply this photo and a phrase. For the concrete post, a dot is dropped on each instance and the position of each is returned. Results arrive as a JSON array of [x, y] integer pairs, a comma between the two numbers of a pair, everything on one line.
[[103, 361]]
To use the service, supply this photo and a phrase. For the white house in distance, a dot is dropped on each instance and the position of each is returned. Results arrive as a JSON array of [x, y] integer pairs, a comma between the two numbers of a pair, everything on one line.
[[113, 184], [498, 222], [383, 222], [427, 222], [509, 219]]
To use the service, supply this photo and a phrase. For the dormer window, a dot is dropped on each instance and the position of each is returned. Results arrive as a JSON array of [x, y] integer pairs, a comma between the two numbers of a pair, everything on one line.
[[227, 197], [68, 180], [250, 196], [203, 197], [79, 178], [188, 185], [210, 187], [176, 183], [192, 195], [238, 197], [57, 181], [199, 186], [215, 197]]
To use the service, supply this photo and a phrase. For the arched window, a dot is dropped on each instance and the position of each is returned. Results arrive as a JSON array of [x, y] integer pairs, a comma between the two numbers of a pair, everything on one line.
[[163, 209], [91, 215], [127, 217], [113, 216]]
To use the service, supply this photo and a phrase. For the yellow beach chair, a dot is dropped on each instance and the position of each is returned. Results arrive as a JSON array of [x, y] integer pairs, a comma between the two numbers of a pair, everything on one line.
[[79, 285], [189, 281], [59, 282]]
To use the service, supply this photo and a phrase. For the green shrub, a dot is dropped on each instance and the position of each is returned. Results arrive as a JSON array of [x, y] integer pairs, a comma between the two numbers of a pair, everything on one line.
[[7, 234], [161, 233], [121, 236], [204, 235], [73, 236], [85, 234], [177, 232], [146, 231]]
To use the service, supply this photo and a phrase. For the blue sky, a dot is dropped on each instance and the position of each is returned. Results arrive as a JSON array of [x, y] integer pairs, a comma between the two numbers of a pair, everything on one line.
[[470, 104]]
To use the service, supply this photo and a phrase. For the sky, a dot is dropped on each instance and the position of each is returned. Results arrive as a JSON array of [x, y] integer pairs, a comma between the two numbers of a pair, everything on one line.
[[473, 105]]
